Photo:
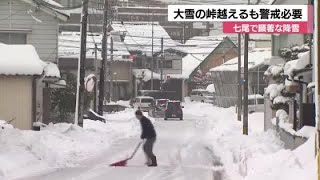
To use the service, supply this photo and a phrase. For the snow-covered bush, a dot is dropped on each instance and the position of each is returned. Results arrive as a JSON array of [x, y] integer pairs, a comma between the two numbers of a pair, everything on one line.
[[277, 92], [282, 115]]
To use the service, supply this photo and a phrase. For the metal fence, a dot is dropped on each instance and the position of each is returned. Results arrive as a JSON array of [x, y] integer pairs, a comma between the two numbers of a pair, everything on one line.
[[226, 85]]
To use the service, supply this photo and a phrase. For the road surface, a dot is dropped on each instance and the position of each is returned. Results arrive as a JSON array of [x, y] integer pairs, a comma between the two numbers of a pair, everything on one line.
[[180, 154]]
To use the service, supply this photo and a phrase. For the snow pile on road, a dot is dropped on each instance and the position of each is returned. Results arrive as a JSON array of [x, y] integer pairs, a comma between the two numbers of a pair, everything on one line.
[[57, 145], [260, 155]]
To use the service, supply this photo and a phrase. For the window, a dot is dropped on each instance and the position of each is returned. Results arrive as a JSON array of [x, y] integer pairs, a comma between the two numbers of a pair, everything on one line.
[[260, 101], [167, 64], [146, 100], [13, 38], [100, 4], [251, 102]]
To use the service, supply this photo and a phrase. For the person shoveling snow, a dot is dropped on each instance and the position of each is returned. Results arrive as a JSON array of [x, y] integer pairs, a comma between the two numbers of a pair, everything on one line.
[[148, 138], [149, 134]]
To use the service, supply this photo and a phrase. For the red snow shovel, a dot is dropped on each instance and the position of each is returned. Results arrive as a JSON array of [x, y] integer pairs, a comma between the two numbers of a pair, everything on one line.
[[124, 162]]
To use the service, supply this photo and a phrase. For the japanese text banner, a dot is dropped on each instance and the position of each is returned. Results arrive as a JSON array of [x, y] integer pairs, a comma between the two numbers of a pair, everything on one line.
[[237, 13]]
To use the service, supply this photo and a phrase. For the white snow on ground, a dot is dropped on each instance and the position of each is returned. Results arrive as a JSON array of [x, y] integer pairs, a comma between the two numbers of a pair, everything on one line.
[[186, 150], [57, 146]]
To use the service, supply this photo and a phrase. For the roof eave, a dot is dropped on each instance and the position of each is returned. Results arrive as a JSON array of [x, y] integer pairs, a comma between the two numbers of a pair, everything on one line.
[[50, 11]]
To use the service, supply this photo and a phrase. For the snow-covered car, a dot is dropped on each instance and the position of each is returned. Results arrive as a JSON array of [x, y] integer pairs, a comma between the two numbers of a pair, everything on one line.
[[255, 103], [142, 102], [201, 95], [158, 107], [173, 109]]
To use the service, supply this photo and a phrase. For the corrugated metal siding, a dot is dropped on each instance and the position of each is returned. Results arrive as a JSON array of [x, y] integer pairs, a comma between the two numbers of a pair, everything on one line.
[[44, 35], [16, 100]]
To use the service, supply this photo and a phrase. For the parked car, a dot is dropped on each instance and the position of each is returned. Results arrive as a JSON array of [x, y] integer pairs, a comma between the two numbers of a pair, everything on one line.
[[142, 103], [157, 107], [173, 109], [201, 95], [255, 103]]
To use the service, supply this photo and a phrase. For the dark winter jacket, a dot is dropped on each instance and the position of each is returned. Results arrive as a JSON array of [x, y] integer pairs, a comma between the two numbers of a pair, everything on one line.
[[147, 128]]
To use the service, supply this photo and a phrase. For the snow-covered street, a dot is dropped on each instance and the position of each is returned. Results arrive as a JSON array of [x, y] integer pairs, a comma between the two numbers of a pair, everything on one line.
[[208, 144]]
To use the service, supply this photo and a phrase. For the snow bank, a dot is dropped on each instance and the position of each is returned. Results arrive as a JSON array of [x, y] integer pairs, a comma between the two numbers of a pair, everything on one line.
[[20, 60], [260, 155], [58, 145]]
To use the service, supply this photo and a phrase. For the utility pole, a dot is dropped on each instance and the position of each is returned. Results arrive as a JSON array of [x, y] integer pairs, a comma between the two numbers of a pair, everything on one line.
[[83, 50], [183, 32], [96, 73], [152, 63], [110, 70], [104, 57], [245, 89], [239, 106], [161, 63]]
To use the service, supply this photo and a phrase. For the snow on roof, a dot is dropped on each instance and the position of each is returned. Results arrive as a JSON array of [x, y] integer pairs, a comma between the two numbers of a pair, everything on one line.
[[202, 90], [210, 88], [20, 60], [256, 58], [52, 2], [138, 36], [69, 46], [203, 44], [263, 37], [145, 97], [189, 63], [51, 70], [145, 74]]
